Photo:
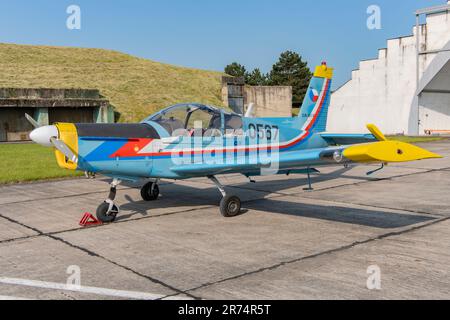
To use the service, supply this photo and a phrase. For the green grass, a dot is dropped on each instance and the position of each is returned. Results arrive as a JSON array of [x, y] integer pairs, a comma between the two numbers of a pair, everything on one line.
[[29, 162], [414, 139], [136, 87]]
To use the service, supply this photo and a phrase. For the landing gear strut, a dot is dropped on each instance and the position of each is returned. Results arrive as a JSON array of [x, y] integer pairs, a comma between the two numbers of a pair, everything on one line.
[[150, 191], [309, 188], [230, 206], [108, 210], [376, 170]]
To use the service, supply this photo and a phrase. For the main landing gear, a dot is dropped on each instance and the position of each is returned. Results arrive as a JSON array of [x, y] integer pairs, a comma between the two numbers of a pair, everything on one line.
[[230, 205], [309, 188], [150, 191], [108, 210]]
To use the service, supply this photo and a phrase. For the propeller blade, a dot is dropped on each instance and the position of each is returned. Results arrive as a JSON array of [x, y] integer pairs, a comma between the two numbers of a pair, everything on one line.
[[61, 146], [32, 121]]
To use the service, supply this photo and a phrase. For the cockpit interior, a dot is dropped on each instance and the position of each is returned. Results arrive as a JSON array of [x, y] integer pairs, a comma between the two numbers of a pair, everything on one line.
[[198, 120]]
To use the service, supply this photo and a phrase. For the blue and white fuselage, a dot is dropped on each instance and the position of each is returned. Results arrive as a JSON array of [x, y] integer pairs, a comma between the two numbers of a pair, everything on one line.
[[195, 140]]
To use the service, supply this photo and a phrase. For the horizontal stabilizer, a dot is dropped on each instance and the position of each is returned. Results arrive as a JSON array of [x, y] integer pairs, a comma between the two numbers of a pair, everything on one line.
[[376, 132], [336, 139], [386, 151]]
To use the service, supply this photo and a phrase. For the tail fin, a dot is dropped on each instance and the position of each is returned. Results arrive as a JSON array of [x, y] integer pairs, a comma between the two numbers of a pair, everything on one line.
[[314, 111]]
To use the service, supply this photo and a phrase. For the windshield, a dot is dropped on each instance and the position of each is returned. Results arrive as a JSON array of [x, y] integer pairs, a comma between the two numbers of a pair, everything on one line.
[[185, 119]]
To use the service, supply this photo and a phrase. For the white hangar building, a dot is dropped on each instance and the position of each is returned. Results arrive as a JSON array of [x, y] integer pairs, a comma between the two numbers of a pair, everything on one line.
[[406, 90]]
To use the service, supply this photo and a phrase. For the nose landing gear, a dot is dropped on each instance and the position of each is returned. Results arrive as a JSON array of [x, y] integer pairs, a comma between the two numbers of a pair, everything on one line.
[[108, 210], [230, 205]]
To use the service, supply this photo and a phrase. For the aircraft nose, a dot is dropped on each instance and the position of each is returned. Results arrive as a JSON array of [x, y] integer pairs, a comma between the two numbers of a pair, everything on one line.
[[42, 135]]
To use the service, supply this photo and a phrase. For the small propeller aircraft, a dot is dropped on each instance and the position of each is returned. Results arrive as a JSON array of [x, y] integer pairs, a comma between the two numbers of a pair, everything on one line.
[[194, 140]]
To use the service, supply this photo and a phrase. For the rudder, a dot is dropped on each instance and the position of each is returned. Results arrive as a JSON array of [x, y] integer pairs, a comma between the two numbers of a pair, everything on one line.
[[314, 110]]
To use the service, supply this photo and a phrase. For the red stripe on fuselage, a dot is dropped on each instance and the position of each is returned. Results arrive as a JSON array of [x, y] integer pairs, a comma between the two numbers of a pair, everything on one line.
[[131, 148]]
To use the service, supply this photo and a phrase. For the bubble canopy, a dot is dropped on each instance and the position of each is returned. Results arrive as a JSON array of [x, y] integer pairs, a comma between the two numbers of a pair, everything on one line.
[[192, 116]]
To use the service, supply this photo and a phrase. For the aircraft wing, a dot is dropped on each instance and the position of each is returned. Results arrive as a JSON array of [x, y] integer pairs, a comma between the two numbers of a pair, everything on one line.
[[336, 139], [374, 152], [203, 169], [291, 159]]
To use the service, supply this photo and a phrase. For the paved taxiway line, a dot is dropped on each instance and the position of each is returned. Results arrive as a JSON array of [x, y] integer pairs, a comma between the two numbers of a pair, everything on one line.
[[93, 290], [9, 298], [91, 253]]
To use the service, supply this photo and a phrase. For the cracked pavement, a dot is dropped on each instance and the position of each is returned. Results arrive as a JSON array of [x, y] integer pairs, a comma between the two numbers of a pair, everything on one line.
[[288, 244]]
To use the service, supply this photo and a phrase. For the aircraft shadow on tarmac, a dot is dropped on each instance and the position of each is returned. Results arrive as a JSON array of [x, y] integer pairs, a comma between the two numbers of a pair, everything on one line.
[[278, 185], [364, 217], [179, 195]]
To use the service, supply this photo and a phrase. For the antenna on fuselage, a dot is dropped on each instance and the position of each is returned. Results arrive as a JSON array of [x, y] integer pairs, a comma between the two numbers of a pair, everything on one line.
[[249, 113]]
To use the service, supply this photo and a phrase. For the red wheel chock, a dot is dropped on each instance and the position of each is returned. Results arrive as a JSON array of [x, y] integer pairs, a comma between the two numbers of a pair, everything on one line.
[[89, 220]]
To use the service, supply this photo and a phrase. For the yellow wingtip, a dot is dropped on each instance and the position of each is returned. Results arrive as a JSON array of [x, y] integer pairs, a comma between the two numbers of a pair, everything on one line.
[[376, 132], [388, 151]]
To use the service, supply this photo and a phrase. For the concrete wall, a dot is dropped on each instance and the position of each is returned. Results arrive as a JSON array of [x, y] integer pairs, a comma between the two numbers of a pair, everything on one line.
[[270, 101], [225, 95], [233, 93], [383, 90]]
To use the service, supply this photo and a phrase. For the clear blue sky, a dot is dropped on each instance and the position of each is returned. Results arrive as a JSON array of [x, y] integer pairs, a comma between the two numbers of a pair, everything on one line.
[[209, 34]]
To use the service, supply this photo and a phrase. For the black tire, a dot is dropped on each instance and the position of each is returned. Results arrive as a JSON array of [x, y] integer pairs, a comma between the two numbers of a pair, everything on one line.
[[230, 206], [102, 213], [148, 194]]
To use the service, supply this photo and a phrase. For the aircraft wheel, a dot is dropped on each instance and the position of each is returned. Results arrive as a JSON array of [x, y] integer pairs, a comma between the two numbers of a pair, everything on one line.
[[104, 216], [230, 206], [150, 192]]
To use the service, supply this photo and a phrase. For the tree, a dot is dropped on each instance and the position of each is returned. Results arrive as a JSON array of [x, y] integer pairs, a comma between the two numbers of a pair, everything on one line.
[[256, 78], [235, 70], [290, 70]]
